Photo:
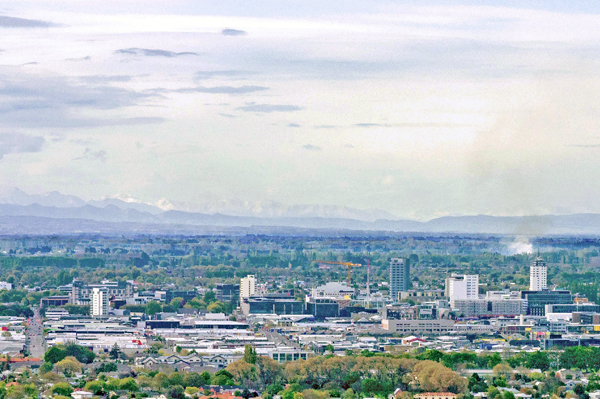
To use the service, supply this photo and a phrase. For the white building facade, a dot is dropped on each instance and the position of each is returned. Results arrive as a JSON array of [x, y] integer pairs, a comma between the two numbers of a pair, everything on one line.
[[462, 286], [538, 275], [99, 302]]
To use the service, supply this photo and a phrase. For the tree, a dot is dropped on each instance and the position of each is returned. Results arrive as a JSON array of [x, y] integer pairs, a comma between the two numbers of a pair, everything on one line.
[[538, 360], [115, 352], [160, 381], [348, 394], [494, 360], [205, 375], [177, 302], [210, 297], [153, 308], [175, 379], [493, 393], [68, 365], [502, 370], [249, 354], [176, 392], [217, 307], [46, 367], [128, 384], [82, 354], [432, 376], [95, 387], [476, 383], [62, 388], [274, 389], [315, 394], [52, 377], [269, 371], [54, 355], [244, 373], [196, 380], [106, 368], [222, 377]]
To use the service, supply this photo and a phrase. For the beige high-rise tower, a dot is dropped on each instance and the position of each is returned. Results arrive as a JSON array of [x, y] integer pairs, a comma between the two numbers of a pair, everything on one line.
[[247, 287]]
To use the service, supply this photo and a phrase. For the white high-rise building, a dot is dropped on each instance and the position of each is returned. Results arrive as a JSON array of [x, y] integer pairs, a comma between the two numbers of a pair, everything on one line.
[[247, 287], [538, 275], [99, 302], [399, 277], [462, 286]]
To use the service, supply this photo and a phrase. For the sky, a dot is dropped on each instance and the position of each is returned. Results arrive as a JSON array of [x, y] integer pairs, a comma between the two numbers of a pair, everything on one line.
[[419, 108]]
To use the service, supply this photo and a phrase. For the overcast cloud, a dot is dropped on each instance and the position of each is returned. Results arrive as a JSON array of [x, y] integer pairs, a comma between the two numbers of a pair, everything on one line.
[[12, 22], [15, 143], [420, 110]]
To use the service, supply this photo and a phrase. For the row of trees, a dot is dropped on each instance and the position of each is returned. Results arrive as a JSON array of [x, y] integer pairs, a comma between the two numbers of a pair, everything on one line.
[[206, 302], [534, 360], [371, 375], [581, 357]]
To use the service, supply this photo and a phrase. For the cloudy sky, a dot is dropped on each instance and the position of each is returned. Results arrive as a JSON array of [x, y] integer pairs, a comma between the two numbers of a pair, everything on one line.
[[418, 108]]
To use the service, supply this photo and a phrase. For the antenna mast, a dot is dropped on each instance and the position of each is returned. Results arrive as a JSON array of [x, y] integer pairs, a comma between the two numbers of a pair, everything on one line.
[[368, 283]]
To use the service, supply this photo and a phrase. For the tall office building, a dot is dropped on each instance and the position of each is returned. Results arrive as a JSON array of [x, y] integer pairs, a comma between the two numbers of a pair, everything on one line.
[[399, 277], [462, 286], [538, 275], [99, 302], [247, 287]]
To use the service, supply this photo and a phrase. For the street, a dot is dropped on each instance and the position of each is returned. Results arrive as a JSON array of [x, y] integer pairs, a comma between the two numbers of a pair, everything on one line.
[[36, 344]]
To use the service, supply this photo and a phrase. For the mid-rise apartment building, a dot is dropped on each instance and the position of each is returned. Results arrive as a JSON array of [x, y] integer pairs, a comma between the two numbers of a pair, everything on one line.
[[99, 302]]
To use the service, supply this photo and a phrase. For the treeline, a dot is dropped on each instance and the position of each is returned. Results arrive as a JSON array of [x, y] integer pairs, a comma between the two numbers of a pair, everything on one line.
[[366, 374], [535, 360], [581, 357], [316, 378], [206, 302], [16, 310], [49, 261], [25, 297]]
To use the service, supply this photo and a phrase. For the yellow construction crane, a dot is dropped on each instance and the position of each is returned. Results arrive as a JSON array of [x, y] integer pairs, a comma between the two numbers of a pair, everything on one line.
[[349, 264]]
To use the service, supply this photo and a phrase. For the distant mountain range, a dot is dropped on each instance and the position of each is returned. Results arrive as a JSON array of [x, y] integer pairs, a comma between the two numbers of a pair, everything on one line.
[[234, 207], [55, 213]]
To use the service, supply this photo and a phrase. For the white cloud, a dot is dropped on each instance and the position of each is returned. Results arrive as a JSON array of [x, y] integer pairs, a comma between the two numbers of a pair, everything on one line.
[[468, 109]]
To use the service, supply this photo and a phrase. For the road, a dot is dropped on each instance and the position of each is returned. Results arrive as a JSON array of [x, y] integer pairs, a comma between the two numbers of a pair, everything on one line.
[[36, 344]]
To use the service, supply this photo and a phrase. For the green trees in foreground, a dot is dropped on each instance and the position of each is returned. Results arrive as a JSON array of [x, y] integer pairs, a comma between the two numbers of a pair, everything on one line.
[[59, 352]]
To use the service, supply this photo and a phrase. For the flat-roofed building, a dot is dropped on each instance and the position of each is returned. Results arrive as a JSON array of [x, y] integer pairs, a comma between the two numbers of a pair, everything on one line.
[[538, 275], [247, 287], [462, 286], [430, 327], [99, 302], [537, 300]]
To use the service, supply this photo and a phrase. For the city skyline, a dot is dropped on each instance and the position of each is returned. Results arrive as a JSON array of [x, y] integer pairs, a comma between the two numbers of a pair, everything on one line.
[[448, 108]]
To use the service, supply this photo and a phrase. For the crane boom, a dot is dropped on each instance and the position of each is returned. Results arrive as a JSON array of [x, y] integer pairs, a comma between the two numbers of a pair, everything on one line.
[[349, 264]]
